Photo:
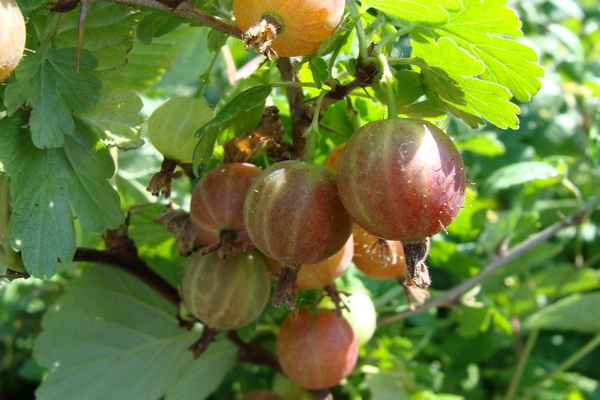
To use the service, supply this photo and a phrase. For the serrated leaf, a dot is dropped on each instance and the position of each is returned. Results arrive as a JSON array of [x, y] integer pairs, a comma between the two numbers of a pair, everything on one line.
[[52, 86], [46, 184], [472, 320], [565, 277], [108, 35], [116, 117], [577, 312], [122, 339], [451, 77], [147, 63], [480, 28], [427, 11], [520, 173], [246, 101], [156, 24]]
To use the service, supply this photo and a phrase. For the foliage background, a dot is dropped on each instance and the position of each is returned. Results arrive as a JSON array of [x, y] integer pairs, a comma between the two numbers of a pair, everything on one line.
[[523, 180]]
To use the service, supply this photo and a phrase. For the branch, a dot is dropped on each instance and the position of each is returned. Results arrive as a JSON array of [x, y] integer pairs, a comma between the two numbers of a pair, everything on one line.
[[184, 10], [450, 297], [133, 265]]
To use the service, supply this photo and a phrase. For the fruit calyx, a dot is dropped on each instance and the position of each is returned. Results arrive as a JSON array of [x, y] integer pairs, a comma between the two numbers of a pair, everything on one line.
[[416, 268], [228, 241], [262, 34], [286, 289]]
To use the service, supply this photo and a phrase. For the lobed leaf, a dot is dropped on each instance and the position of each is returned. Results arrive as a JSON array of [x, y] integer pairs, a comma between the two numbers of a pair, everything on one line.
[[46, 184], [52, 86], [116, 117], [426, 11], [108, 35], [146, 64], [122, 339], [451, 78], [479, 28]]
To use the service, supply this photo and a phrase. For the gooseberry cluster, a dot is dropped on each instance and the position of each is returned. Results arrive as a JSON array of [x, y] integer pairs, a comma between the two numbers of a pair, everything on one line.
[[375, 202]]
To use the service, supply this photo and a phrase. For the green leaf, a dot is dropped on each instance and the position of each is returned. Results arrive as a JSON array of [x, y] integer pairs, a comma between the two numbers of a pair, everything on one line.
[[451, 75], [216, 40], [116, 117], [565, 277], [46, 183], [248, 100], [147, 63], [472, 320], [520, 173], [485, 144], [577, 312], [156, 24], [480, 28], [52, 86], [108, 35], [319, 70], [122, 339], [426, 11]]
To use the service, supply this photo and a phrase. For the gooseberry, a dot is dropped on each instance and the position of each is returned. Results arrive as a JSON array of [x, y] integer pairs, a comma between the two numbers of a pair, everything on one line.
[[287, 28], [12, 37], [217, 207], [172, 127], [226, 294], [316, 348], [401, 179]]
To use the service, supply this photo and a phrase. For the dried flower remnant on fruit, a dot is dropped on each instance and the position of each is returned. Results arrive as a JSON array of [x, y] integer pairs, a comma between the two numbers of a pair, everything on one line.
[[416, 268], [287, 28]]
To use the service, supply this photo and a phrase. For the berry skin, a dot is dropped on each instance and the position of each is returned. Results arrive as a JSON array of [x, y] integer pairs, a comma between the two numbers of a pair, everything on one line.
[[12, 37], [298, 26], [401, 179], [316, 348], [293, 213]]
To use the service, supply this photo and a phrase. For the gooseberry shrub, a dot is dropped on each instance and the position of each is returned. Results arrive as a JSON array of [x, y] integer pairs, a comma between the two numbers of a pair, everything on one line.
[[273, 181]]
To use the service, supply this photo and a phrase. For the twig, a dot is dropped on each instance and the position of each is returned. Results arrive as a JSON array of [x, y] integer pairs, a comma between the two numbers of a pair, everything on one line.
[[188, 11], [451, 296], [591, 345], [133, 265], [254, 352]]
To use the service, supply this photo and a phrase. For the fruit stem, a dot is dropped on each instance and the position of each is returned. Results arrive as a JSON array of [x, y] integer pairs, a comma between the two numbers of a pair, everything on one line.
[[388, 79], [312, 134], [391, 37], [8, 256], [200, 345], [360, 31], [205, 77]]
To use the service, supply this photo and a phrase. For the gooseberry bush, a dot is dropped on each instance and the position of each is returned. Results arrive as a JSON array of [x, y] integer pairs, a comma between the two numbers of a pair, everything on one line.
[[302, 199]]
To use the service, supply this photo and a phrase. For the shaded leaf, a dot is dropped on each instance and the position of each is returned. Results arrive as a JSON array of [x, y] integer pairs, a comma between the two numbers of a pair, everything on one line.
[[147, 63], [156, 24], [577, 312], [116, 117], [52, 86], [122, 339], [46, 183], [108, 35]]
